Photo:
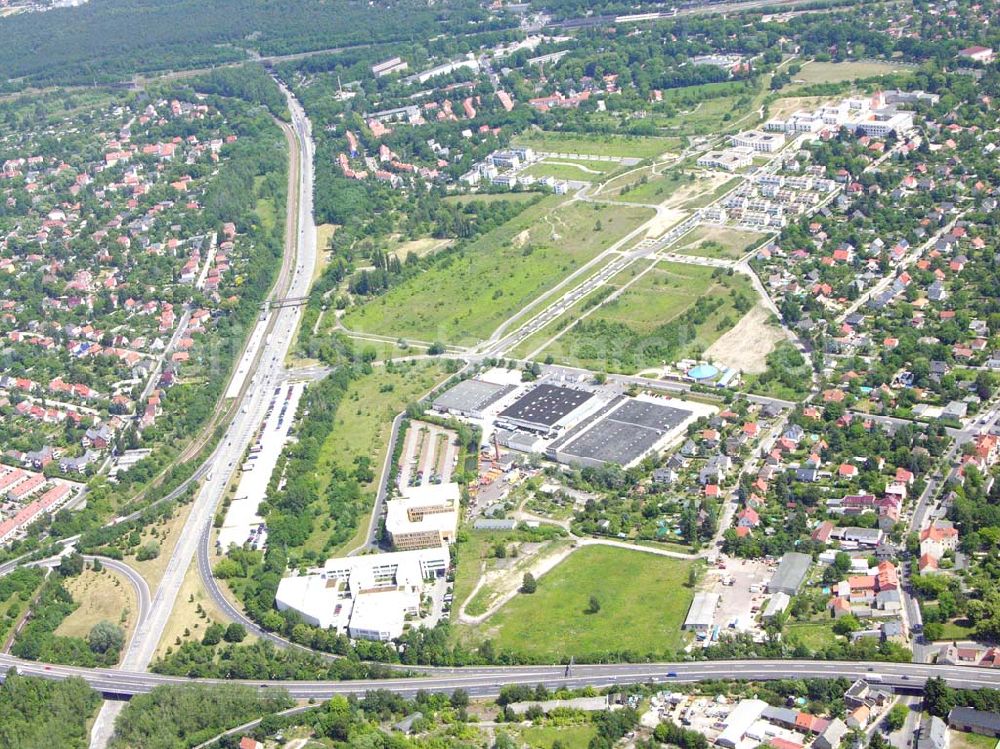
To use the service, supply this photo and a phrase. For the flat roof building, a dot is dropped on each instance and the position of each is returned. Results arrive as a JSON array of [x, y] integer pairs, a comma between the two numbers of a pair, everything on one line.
[[759, 141], [730, 160], [545, 407], [791, 573], [623, 432], [382, 589], [701, 615], [739, 721], [425, 516], [470, 398], [970, 720]]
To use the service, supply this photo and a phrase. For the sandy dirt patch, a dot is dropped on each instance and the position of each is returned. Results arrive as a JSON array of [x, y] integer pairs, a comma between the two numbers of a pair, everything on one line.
[[707, 182], [421, 247], [664, 219], [747, 345]]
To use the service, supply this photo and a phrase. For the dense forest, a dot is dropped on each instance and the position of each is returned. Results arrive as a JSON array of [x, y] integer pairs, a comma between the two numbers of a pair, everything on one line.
[[39, 712], [180, 716], [107, 40]]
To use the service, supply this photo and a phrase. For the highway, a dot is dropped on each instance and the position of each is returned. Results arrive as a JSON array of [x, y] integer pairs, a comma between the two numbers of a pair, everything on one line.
[[293, 280], [487, 682]]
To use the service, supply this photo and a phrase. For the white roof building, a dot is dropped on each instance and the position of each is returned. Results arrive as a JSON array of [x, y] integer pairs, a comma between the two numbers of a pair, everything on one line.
[[367, 596], [426, 516]]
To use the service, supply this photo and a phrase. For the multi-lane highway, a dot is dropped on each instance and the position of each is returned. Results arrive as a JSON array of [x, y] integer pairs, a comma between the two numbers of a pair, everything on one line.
[[487, 682], [267, 355]]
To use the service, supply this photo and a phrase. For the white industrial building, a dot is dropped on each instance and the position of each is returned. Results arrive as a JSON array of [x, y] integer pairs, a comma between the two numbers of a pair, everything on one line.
[[730, 159], [870, 116], [701, 615], [758, 141], [740, 721], [425, 516], [366, 596]]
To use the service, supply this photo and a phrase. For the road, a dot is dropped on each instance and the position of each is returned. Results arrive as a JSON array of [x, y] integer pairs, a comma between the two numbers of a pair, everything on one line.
[[293, 280], [487, 682]]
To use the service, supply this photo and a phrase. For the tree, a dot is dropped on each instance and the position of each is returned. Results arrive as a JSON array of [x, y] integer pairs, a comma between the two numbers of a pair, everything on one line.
[[459, 698], [105, 637], [593, 606], [896, 718], [213, 634], [842, 562], [71, 565], [939, 698], [877, 741], [235, 632], [528, 583], [846, 624], [692, 576], [149, 550]]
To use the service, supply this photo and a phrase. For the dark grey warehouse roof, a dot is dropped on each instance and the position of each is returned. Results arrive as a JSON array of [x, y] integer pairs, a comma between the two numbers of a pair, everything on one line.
[[471, 396], [545, 405]]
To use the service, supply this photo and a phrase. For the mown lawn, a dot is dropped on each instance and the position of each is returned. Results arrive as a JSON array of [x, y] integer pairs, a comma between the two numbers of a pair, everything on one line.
[[572, 737], [598, 145], [837, 72], [814, 635], [467, 293], [643, 601]]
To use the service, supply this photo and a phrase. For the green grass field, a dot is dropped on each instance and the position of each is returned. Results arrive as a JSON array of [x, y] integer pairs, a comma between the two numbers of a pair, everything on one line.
[[706, 117], [814, 635], [576, 736], [707, 197], [963, 740], [597, 145], [643, 602], [953, 630], [716, 242], [643, 327], [363, 423], [464, 297], [838, 72], [510, 197], [644, 186], [586, 171]]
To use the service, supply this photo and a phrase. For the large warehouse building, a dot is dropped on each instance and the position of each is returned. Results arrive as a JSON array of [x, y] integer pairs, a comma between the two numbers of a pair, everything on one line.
[[470, 398], [701, 615], [623, 432], [791, 573], [546, 408]]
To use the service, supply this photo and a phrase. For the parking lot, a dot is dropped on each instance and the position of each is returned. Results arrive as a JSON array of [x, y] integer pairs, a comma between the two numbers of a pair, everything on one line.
[[429, 455], [740, 586]]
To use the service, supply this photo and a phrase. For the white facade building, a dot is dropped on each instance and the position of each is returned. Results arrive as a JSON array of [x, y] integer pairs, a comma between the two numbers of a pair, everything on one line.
[[367, 596]]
